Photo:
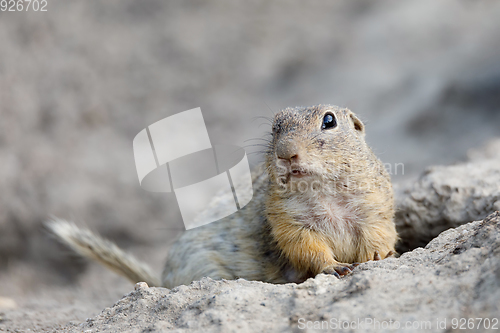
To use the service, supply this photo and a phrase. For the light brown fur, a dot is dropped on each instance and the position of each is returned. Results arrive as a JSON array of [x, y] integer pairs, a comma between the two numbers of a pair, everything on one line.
[[322, 202]]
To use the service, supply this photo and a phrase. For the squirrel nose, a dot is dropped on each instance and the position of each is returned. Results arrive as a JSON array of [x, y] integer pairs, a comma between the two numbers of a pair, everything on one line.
[[287, 151]]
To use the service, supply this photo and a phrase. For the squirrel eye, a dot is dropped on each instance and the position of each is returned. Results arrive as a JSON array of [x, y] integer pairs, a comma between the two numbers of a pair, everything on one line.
[[328, 121]]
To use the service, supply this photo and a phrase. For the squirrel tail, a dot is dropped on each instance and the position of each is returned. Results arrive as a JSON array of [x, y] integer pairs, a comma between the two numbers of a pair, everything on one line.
[[90, 245]]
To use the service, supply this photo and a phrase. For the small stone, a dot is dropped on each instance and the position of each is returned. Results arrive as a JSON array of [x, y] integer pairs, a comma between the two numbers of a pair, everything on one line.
[[7, 303], [141, 285]]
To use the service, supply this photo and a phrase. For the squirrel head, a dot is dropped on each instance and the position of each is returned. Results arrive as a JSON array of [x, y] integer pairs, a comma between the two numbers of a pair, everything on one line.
[[316, 143]]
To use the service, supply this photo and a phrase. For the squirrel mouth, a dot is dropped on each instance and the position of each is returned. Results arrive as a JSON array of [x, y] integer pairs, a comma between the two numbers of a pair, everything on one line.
[[292, 172], [298, 173], [294, 176]]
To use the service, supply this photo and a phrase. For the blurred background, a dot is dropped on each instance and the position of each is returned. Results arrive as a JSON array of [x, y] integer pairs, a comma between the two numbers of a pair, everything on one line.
[[79, 81]]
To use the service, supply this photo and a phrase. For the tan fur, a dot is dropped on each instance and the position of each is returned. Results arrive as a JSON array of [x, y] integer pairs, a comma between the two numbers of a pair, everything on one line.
[[322, 201]]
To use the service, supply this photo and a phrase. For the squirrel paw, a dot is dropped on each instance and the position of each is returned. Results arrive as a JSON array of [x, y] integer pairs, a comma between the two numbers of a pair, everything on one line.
[[391, 254], [376, 255], [339, 269]]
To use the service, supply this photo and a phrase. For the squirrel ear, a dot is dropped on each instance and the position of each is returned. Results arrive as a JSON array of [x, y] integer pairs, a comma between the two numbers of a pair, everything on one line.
[[358, 125]]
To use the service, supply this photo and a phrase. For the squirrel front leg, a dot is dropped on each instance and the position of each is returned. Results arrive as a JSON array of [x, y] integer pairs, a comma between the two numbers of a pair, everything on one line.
[[307, 251]]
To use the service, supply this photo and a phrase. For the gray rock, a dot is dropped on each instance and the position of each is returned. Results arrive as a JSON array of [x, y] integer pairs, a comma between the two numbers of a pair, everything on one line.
[[448, 196], [457, 275]]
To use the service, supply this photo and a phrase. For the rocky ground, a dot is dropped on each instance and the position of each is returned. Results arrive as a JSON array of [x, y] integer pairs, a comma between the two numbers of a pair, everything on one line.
[[455, 278], [79, 81]]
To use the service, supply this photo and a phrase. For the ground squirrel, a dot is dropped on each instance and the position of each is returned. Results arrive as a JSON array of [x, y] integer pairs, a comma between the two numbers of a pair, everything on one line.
[[322, 203]]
